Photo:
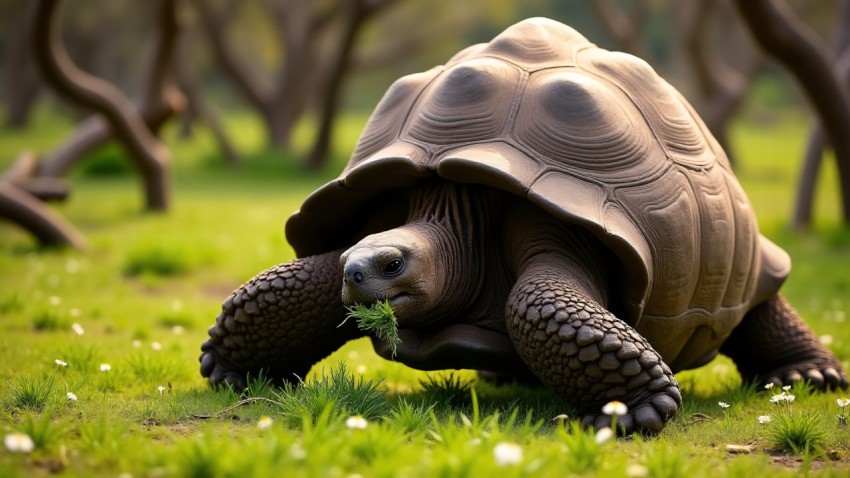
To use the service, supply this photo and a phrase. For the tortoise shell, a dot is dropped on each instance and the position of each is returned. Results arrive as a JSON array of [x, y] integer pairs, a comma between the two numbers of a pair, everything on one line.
[[595, 138]]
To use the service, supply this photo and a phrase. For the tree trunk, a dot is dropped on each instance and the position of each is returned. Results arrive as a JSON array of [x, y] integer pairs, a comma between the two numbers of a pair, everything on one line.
[[785, 37], [360, 11], [813, 158], [21, 83]]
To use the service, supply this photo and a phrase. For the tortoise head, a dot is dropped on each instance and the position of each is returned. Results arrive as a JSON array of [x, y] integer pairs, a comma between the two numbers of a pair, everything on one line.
[[400, 265]]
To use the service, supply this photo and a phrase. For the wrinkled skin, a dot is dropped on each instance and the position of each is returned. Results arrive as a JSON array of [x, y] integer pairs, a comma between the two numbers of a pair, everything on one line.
[[494, 284]]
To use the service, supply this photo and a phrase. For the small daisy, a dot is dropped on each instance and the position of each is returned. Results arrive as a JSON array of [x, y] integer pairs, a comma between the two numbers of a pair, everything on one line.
[[156, 346], [105, 367], [75, 312], [768, 386], [789, 398], [61, 363], [786, 388], [178, 330], [137, 344], [560, 418], [361, 369], [54, 300], [264, 422], [723, 405], [161, 390], [18, 442], [615, 408], [72, 397], [843, 402], [764, 419], [825, 339], [356, 423], [77, 328], [603, 435], [506, 453]]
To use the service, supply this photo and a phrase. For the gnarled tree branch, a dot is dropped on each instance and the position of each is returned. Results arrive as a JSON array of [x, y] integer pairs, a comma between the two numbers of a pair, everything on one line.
[[149, 155]]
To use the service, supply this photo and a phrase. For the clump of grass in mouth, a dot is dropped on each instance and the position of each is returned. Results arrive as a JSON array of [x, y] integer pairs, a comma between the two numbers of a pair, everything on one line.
[[378, 319]]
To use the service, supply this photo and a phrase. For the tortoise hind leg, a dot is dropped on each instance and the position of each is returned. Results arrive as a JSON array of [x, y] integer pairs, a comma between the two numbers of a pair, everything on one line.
[[773, 345], [282, 322]]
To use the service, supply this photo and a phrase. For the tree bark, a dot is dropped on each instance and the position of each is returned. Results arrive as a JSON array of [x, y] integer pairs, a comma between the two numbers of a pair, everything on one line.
[[25, 210], [149, 155], [21, 85], [813, 158], [786, 38], [722, 87], [359, 13], [625, 29]]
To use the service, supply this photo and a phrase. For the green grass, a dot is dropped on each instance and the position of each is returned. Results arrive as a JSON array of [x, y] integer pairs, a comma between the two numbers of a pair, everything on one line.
[[150, 285], [379, 319]]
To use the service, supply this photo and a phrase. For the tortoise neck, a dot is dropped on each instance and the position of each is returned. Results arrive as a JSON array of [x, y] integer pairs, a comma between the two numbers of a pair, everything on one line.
[[457, 219]]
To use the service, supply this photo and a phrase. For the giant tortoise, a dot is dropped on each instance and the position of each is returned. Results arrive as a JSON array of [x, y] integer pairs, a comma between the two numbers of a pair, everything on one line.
[[536, 207]]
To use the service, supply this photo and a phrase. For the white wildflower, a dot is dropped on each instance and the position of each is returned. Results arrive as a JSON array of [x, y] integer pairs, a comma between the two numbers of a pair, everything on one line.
[[77, 328], [723, 405], [356, 423], [603, 435], [506, 453], [768, 386], [54, 300], [264, 422], [825, 339], [156, 346], [560, 418], [72, 397], [764, 419], [297, 452], [18, 442], [61, 363], [786, 388], [137, 344], [842, 402], [637, 470], [789, 398], [161, 390], [178, 330], [105, 367], [615, 408], [361, 369]]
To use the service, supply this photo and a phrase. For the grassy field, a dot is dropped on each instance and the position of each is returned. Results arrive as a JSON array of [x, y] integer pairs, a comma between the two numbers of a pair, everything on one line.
[[128, 315]]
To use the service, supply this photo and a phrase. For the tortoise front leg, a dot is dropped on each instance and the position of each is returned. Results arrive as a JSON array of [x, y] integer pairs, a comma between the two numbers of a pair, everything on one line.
[[585, 353], [282, 322]]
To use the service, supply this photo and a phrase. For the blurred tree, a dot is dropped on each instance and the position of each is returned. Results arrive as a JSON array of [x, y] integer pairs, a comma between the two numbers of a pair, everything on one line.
[[817, 139], [21, 84], [197, 107], [150, 156], [158, 100], [318, 41], [723, 83], [784, 36]]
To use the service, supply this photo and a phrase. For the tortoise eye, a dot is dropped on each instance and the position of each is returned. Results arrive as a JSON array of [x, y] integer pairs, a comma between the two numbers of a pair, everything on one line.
[[393, 267]]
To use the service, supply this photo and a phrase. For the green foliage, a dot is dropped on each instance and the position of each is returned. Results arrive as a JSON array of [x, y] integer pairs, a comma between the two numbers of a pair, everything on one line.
[[341, 391], [32, 393], [109, 160], [409, 417], [49, 319], [43, 431], [446, 390], [158, 259], [378, 319], [798, 433]]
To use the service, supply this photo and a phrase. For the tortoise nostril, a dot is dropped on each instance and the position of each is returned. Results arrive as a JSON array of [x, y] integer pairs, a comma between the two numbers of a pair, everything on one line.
[[357, 277]]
